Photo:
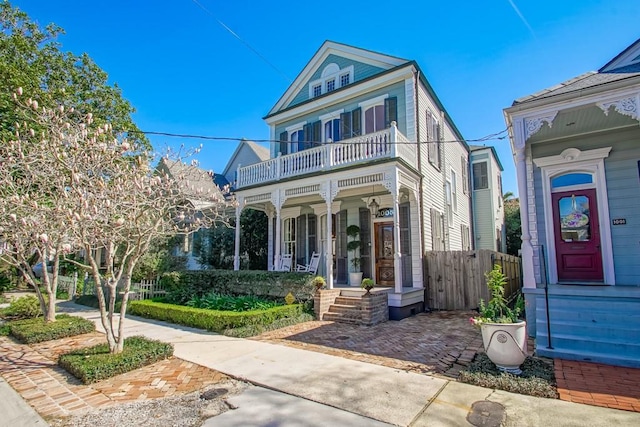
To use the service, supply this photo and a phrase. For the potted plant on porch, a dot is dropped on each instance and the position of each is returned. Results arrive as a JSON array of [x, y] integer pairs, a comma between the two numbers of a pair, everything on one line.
[[504, 334], [355, 276]]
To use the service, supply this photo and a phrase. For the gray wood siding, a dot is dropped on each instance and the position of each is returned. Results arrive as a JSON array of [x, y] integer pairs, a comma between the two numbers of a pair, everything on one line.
[[361, 71], [396, 89], [623, 185]]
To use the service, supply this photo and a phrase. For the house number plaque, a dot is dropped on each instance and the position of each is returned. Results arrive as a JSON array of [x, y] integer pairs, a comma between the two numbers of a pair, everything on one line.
[[619, 221], [385, 213]]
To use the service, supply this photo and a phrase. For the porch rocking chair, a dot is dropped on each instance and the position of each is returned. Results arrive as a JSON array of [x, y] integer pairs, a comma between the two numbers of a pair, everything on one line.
[[312, 267], [285, 263]]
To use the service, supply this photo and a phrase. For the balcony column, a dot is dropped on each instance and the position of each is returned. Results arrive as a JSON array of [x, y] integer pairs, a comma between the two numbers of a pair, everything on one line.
[[397, 256], [393, 138], [236, 256]]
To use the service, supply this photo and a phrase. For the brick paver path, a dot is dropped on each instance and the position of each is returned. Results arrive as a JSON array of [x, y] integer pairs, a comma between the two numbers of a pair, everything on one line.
[[33, 372], [600, 385], [435, 343]]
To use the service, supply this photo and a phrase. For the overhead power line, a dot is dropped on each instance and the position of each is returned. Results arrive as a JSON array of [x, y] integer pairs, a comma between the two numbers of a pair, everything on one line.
[[498, 136]]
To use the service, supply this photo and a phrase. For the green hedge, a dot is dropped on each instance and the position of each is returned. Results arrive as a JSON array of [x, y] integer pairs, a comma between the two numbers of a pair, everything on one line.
[[182, 286], [96, 363], [31, 331], [211, 320]]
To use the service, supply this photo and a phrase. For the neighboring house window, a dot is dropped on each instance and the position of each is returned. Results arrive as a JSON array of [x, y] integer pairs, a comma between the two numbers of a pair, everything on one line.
[[437, 230], [454, 190], [480, 176], [344, 80], [317, 90], [289, 237], [465, 175], [448, 197], [331, 85], [433, 140], [465, 237]]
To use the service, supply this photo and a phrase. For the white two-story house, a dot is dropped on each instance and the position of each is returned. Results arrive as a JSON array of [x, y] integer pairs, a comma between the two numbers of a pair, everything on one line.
[[360, 138]]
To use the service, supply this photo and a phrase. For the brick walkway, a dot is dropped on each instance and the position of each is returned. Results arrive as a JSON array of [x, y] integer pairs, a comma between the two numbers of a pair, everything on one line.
[[435, 343], [599, 385], [52, 392]]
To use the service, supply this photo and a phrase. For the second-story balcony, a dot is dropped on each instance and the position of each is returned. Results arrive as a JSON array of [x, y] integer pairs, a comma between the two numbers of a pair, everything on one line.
[[387, 143]]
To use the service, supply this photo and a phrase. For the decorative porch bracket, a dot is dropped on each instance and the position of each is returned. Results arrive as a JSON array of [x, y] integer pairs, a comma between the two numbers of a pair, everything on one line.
[[627, 106]]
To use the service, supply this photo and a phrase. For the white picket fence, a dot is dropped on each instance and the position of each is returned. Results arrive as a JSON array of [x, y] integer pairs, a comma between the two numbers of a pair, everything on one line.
[[145, 289]]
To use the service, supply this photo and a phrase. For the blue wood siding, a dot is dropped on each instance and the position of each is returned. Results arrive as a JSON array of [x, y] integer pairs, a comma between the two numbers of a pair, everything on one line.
[[623, 185], [396, 90], [361, 71]]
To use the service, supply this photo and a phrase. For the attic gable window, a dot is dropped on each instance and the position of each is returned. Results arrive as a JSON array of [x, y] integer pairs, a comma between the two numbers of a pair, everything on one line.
[[331, 76]]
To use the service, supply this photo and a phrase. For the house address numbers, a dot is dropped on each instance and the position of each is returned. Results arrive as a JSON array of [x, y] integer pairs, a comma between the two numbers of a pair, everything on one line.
[[385, 213], [619, 221]]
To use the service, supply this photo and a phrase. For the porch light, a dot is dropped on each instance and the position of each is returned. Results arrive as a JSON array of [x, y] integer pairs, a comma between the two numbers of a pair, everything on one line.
[[374, 206]]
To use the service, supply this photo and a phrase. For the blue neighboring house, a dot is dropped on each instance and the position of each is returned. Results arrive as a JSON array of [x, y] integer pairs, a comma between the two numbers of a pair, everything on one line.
[[577, 152]]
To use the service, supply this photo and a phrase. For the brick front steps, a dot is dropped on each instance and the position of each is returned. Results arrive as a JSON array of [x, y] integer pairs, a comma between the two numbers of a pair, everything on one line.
[[368, 309]]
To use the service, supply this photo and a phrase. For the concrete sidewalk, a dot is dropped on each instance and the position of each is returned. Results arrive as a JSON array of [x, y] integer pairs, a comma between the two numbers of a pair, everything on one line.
[[372, 391], [15, 411]]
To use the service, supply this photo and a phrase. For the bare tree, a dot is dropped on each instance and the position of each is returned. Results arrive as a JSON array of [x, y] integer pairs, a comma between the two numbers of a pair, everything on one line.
[[107, 198]]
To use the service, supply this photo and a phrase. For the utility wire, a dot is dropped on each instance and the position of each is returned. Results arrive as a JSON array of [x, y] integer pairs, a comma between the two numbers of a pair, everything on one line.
[[492, 137]]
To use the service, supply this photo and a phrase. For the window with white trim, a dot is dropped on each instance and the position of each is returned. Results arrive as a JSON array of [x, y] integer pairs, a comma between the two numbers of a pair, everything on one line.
[[465, 237], [296, 141], [289, 236], [454, 190], [331, 85], [331, 131], [448, 198], [331, 75]]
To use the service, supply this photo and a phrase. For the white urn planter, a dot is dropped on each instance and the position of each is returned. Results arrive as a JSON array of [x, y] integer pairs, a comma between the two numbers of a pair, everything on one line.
[[355, 278], [505, 344]]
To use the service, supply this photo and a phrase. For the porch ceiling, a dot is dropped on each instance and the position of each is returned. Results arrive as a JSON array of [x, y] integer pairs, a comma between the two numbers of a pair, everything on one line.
[[581, 120]]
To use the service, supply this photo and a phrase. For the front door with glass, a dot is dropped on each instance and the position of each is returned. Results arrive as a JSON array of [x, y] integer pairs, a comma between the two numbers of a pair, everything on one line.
[[577, 236], [385, 274]]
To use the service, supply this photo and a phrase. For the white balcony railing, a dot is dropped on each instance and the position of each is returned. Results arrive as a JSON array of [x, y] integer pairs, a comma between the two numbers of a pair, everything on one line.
[[386, 143]]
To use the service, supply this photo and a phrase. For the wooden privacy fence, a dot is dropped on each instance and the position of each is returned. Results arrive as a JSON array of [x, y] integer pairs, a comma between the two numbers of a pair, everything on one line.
[[455, 280]]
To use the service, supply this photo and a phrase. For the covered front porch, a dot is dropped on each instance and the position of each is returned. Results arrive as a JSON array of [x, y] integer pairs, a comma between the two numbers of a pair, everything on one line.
[[311, 215]]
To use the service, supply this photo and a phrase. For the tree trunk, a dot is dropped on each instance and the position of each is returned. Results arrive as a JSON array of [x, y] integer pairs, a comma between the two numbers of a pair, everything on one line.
[[50, 315]]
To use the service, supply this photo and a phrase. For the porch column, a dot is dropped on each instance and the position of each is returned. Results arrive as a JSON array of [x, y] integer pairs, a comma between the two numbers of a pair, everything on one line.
[[328, 194], [270, 264], [278, 237], [236, 256], [528, 276], [397, 256], [328, 255]]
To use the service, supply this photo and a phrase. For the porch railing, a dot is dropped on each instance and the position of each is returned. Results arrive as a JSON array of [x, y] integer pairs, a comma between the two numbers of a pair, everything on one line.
[[386, 143]]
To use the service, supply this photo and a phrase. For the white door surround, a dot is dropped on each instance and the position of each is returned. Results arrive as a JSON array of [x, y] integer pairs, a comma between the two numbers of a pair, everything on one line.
[[575, 160]]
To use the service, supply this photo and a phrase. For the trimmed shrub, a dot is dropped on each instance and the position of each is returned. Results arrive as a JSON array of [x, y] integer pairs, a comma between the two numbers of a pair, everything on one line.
[[31, 331], [27, 307], [253, 330], [211, 320], [183, 286], [214, 301], [96, 363]]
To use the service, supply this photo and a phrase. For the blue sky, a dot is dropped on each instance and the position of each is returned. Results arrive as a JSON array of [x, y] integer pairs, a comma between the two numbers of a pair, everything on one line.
[[185, 73]]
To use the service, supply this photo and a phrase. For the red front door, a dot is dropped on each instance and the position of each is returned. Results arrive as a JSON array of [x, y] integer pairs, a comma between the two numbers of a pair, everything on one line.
[[577, 236]]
